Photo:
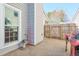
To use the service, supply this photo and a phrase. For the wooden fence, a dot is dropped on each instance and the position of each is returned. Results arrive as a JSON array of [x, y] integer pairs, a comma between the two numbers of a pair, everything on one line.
[[58, 31]]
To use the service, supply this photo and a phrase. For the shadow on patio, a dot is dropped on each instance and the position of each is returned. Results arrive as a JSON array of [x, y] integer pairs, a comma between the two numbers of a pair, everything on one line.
[[48, 47]]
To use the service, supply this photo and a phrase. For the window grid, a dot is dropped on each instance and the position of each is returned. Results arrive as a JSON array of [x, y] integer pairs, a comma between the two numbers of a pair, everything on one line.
[[11, 35]]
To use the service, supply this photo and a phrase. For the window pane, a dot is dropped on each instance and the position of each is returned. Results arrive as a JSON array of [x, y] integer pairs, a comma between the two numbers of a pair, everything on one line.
[[15, 34], [11, 33], [11, 39], [15, 38], [7, 28], [6, 40], [6, 34], [11, 16]]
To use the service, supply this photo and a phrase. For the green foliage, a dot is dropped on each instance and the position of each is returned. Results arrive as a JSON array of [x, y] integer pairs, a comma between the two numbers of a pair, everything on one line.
[[7, 21], [48, 14]]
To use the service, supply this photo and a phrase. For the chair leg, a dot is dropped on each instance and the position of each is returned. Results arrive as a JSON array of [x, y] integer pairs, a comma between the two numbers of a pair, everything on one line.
[[66, 45], [72, 52]]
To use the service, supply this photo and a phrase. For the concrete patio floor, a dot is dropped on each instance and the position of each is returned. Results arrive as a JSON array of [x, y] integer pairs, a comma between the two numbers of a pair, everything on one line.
[[48, 47]]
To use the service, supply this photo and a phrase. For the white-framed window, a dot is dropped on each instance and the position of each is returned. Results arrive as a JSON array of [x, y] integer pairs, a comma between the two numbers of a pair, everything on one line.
[[12, 24]]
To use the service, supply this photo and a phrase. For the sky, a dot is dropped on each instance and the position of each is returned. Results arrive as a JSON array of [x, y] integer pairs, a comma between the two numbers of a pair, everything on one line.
[[69, 8]]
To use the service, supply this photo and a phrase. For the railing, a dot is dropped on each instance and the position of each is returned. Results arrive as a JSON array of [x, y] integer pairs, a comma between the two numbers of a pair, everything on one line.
[[58, 31]]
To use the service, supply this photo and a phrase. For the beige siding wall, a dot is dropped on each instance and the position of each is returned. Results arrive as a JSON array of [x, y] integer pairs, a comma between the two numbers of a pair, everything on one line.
[[39, 23]]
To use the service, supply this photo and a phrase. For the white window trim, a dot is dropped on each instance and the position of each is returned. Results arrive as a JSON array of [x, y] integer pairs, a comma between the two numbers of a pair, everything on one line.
[[19, 31]]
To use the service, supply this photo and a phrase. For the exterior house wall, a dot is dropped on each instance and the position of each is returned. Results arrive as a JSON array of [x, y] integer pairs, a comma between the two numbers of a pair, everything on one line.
[[39, 23], [33, 20], [36, 21], [30, 22]]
